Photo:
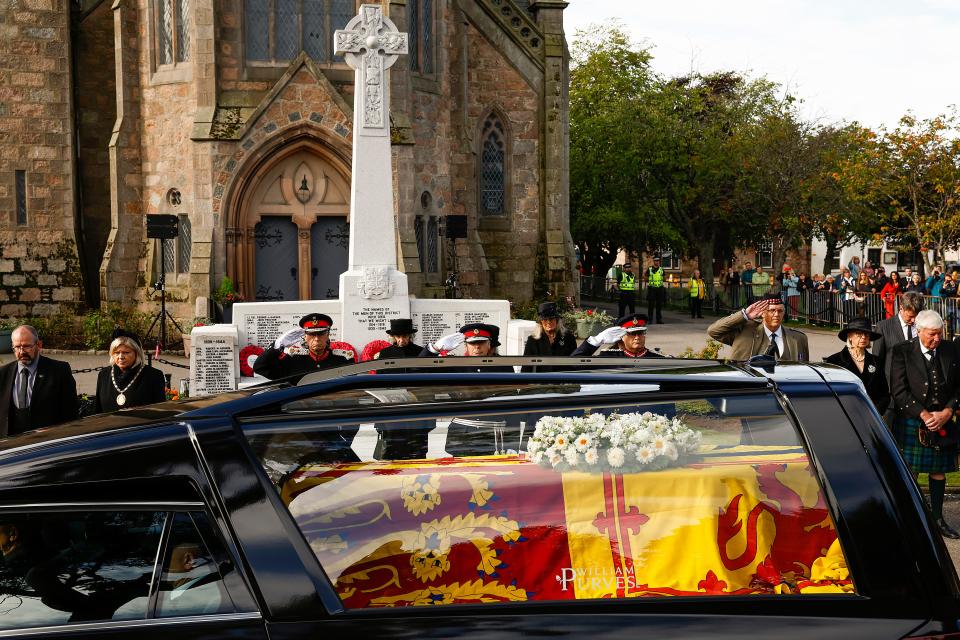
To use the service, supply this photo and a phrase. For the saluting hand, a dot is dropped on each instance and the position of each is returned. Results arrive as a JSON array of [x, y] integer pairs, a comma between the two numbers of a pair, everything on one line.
[[755, 310], [607, 336], [448, 342], [294, 336]]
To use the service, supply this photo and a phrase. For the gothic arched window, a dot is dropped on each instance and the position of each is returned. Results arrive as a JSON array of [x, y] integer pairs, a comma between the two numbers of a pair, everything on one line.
[[277, 30], [493, 167]]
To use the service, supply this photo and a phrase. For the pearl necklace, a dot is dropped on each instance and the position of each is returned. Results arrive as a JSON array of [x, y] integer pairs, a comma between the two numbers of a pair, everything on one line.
[[862, 357], [121, 397]]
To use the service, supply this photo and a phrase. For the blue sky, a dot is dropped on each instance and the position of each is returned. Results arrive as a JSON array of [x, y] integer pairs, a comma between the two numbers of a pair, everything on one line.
[[869, 61]]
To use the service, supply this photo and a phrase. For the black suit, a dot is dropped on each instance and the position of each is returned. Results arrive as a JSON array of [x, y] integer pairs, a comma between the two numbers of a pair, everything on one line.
[[910, 384], [891, 334], [54, 397], [874, 381]]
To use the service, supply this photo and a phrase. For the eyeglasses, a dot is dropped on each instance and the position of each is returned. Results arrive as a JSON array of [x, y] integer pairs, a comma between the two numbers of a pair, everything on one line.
[[25, 347]]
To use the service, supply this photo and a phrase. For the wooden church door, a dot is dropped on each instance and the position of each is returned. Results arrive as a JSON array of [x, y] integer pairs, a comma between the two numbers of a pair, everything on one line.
[[298, 221]]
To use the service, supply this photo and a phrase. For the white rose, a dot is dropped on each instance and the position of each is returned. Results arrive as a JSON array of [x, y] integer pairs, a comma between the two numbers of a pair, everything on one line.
[[645, 455], [572, 456], [591, 456]]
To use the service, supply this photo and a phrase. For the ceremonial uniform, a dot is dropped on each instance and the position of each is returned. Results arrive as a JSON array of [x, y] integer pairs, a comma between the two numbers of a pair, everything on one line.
[[468, 437], [275, 362], [631, 324]]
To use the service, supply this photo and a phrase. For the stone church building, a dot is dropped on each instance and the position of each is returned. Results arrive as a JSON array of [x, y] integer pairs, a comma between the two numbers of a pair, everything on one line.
[[236, 117]]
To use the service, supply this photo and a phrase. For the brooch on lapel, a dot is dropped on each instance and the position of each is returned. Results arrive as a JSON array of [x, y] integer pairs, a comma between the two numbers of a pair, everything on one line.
[[871, 368]]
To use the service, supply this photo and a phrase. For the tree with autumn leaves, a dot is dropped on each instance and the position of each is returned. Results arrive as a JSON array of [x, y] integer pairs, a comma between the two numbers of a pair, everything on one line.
[[910, 179], [707, 163]]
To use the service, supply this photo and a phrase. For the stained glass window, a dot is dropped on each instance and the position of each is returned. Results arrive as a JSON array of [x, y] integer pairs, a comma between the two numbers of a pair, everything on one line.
[[173, 31], [278, 30], [492, 167]]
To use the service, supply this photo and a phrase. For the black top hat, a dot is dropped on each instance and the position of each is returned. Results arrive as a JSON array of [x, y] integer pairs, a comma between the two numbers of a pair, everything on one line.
[[859, 324], [633, 323], [478, 332], [548, 310], [316, 323], [401, 327]]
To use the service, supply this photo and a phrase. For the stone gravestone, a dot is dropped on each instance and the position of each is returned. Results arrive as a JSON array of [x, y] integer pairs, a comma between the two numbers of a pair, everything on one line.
[[372, 290], [214, 367]]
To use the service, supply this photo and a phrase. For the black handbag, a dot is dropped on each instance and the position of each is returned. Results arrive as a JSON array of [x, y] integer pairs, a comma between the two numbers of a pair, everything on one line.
[[947, 436]]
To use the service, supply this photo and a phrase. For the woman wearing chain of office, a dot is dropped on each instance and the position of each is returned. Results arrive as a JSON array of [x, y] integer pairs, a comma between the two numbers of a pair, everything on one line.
[[129, 381]]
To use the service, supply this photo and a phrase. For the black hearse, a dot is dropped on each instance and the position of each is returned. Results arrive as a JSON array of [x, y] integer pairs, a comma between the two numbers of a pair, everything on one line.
[[671, 498]]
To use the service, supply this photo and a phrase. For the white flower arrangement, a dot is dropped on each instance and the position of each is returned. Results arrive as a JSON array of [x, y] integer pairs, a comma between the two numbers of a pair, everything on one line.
[[615, 443]]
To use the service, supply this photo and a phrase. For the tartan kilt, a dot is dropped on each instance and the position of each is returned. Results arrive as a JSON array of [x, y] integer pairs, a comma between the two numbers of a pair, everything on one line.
[[922, 459]]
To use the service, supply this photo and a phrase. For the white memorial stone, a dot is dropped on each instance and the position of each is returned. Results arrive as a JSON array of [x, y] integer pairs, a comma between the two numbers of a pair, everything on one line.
[[517, 333], [372, 290], [260, 323], [214, 367], [436, 318]]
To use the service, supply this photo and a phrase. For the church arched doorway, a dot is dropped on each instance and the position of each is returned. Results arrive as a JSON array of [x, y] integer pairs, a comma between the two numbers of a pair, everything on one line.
[[293, 229]]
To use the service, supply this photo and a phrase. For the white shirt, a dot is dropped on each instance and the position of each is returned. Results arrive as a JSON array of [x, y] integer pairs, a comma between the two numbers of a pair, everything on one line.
[[903, 328]]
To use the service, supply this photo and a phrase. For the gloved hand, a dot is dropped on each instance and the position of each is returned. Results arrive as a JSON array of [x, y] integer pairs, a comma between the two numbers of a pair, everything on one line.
[[294, 336], [448, 343], [607, 336]]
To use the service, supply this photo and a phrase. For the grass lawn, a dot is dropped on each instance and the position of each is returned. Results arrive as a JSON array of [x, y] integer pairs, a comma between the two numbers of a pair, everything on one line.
[[953, 480]]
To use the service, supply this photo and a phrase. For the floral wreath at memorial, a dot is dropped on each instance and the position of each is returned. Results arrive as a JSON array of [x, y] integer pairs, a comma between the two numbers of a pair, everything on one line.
[[249, 355], [616, 443]]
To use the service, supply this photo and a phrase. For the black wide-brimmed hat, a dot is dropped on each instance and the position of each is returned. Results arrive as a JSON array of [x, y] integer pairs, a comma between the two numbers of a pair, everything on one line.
[[859, 324], [548, 310], [401, 327], [479, 331], [316, 323]]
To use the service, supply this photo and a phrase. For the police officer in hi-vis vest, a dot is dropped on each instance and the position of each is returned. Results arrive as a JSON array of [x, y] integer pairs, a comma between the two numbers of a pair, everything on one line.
[[628, 289], [656, 293]]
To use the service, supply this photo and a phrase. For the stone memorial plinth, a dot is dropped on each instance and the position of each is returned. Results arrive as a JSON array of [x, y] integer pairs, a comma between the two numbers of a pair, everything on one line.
[[517, 333], [436, 318], [260, 323], [214, 367]]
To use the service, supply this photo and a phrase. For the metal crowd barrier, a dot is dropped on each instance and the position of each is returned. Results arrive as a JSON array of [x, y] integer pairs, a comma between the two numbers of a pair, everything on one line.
[[821, 308]]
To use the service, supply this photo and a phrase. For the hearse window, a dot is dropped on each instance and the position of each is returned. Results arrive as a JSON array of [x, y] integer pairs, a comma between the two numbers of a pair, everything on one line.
[[417, 395], [70, 567], [695, 497]]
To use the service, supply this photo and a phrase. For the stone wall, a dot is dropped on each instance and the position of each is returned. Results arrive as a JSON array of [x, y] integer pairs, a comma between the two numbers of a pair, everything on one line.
[[39, 269], [509, 243]]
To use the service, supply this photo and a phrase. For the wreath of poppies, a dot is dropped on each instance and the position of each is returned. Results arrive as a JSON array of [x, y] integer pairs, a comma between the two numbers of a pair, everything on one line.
[[249, 355], [372, 349]]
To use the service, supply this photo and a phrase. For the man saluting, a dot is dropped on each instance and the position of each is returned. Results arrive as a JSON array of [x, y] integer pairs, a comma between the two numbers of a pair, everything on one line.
[[630, 336], [279, 362]]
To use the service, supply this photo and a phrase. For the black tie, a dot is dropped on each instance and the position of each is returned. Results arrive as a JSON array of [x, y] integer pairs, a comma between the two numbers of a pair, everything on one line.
[[909, 332], [773, 350], [22, 392]]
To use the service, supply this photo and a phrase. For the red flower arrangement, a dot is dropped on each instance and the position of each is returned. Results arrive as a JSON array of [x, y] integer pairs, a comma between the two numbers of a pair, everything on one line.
[[372, 349], [249, 355]]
